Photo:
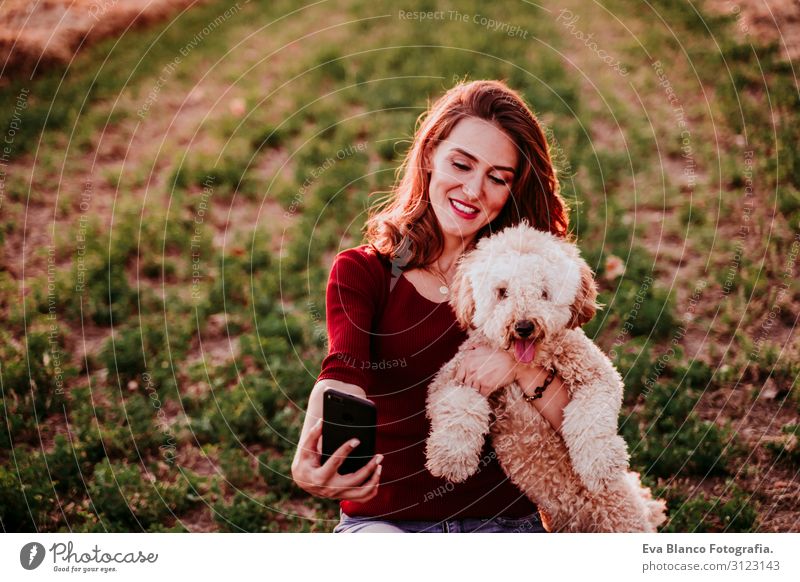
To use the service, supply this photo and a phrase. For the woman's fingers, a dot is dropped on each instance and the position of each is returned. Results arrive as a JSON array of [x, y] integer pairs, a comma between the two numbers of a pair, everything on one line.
[[367, 491], [358, 478], [346, 486], [331, 466], [366, 497], [310, 445], [325, 479]]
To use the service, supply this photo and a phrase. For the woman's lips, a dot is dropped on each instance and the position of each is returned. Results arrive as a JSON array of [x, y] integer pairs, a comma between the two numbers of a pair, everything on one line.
[[461, 213]]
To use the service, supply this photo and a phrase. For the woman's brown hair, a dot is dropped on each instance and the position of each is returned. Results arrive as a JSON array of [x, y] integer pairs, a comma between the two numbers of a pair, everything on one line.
[[404, 227]]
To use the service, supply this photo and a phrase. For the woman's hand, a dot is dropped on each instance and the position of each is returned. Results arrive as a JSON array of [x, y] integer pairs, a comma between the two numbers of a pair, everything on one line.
[[325, 480], [487, 369]]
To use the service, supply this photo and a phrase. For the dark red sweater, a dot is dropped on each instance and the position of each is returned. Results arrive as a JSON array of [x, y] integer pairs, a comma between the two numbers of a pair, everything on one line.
[[391, 341]]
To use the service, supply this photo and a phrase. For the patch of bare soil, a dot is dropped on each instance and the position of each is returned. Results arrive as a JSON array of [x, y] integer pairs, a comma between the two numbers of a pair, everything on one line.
[[35, 35], [766, 21]]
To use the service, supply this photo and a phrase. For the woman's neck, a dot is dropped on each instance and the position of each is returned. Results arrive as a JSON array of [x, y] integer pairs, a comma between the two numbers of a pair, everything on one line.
[[453, 249]]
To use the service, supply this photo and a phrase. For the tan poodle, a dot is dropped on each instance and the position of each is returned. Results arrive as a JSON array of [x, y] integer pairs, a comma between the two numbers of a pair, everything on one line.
[[527, 291]]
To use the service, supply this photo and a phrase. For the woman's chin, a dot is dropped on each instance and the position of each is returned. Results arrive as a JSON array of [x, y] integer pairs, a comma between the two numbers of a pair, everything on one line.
[[455, 230]]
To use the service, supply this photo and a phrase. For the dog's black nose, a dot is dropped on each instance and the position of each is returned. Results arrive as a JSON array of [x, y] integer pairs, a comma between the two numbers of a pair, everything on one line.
[[524, 328]]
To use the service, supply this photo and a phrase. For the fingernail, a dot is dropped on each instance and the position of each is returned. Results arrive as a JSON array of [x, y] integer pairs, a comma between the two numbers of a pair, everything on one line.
[[380, 468], [354, 443], [379, 459], [319, 422]]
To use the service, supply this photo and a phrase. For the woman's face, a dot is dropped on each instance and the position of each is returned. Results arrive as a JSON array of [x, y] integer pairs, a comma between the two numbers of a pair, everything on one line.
[[472, 172]]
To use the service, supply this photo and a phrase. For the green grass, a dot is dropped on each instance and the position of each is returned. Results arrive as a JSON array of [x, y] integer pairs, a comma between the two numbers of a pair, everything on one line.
[[736, 512], [243, 411]]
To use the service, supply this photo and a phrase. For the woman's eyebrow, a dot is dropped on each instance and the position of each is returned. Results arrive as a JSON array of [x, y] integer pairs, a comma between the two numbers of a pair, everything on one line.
[[474, 159]]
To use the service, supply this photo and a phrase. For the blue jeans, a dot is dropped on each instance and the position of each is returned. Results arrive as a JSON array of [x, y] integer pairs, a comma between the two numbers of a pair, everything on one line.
[[529, 524]]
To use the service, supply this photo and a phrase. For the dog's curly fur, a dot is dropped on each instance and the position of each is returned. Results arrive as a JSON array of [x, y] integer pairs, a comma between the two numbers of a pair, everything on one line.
[[580, 479]]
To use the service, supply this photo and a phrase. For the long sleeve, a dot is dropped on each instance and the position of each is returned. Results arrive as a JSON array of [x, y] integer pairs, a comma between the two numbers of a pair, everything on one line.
[[391, 341], [353, 296]]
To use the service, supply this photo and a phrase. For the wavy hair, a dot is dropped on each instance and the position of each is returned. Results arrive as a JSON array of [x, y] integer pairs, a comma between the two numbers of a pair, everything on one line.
[[404, 227]]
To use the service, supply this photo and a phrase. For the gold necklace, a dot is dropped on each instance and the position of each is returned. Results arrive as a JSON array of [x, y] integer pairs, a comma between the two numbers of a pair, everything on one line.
[[444, 289]]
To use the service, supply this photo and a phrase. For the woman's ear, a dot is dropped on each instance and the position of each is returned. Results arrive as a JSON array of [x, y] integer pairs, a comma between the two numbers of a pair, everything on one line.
[[461, 297], [585, 305]]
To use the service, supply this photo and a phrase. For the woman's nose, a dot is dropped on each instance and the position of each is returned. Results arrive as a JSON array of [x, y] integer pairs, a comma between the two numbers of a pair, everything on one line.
[[472, 188]]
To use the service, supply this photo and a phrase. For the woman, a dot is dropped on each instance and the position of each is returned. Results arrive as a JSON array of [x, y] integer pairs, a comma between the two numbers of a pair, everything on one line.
[[479, 162]]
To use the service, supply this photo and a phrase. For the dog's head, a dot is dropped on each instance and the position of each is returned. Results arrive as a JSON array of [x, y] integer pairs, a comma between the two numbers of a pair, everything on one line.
[[522, 285]]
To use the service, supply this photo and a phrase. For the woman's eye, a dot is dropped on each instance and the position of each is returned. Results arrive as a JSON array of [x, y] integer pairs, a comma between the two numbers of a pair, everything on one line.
[[460, 166], [498, 181], [502, 292]]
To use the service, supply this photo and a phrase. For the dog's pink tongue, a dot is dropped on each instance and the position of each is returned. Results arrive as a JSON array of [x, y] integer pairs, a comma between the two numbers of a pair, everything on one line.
[[525, 350]]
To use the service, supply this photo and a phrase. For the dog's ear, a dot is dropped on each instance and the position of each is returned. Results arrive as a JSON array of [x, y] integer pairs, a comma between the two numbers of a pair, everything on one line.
[[585, 305], [461, 297]]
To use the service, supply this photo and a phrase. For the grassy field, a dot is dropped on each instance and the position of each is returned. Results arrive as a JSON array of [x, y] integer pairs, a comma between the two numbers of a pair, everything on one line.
[[171, 202]]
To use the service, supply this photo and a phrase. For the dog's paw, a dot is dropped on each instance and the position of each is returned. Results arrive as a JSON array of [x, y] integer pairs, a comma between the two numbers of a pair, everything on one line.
[[451, 455], [607, 461]]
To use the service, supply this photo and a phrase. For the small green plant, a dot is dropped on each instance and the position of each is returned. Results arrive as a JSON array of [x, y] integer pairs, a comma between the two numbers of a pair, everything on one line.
[[246, 513], [632, 360], [235, 464], [668, 438], [231, 416], [786, 445], [268, 137], [34, 374], [129, 500], [26, 496], [775, 364], [734, 512], [277, 474]]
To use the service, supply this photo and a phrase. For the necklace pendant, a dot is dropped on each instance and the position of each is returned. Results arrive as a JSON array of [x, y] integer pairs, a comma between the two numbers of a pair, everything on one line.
[[444, 290]]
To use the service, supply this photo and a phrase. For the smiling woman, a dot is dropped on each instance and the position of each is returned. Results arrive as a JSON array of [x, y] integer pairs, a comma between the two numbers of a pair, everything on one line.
[[479, 163], [491, 136], [477, 158]]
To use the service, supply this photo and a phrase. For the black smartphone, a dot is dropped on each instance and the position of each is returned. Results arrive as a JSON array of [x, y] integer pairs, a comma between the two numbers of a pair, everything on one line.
[[345, 417]]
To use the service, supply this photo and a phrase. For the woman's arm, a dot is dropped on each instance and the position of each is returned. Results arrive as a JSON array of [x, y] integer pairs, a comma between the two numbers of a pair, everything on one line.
[[487, 369], [351, 300], [597, 451], [554, 399]]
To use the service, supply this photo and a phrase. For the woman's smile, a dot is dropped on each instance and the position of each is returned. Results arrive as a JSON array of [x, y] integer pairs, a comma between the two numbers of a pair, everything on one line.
[[471, 176], [464, 210]]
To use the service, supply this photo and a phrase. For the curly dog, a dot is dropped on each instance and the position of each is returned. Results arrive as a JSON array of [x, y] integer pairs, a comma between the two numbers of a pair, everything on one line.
[[528, 292]]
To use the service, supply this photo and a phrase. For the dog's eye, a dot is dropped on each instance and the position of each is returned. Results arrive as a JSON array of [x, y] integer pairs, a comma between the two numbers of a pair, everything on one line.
[[545, 296], [502, 292]]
